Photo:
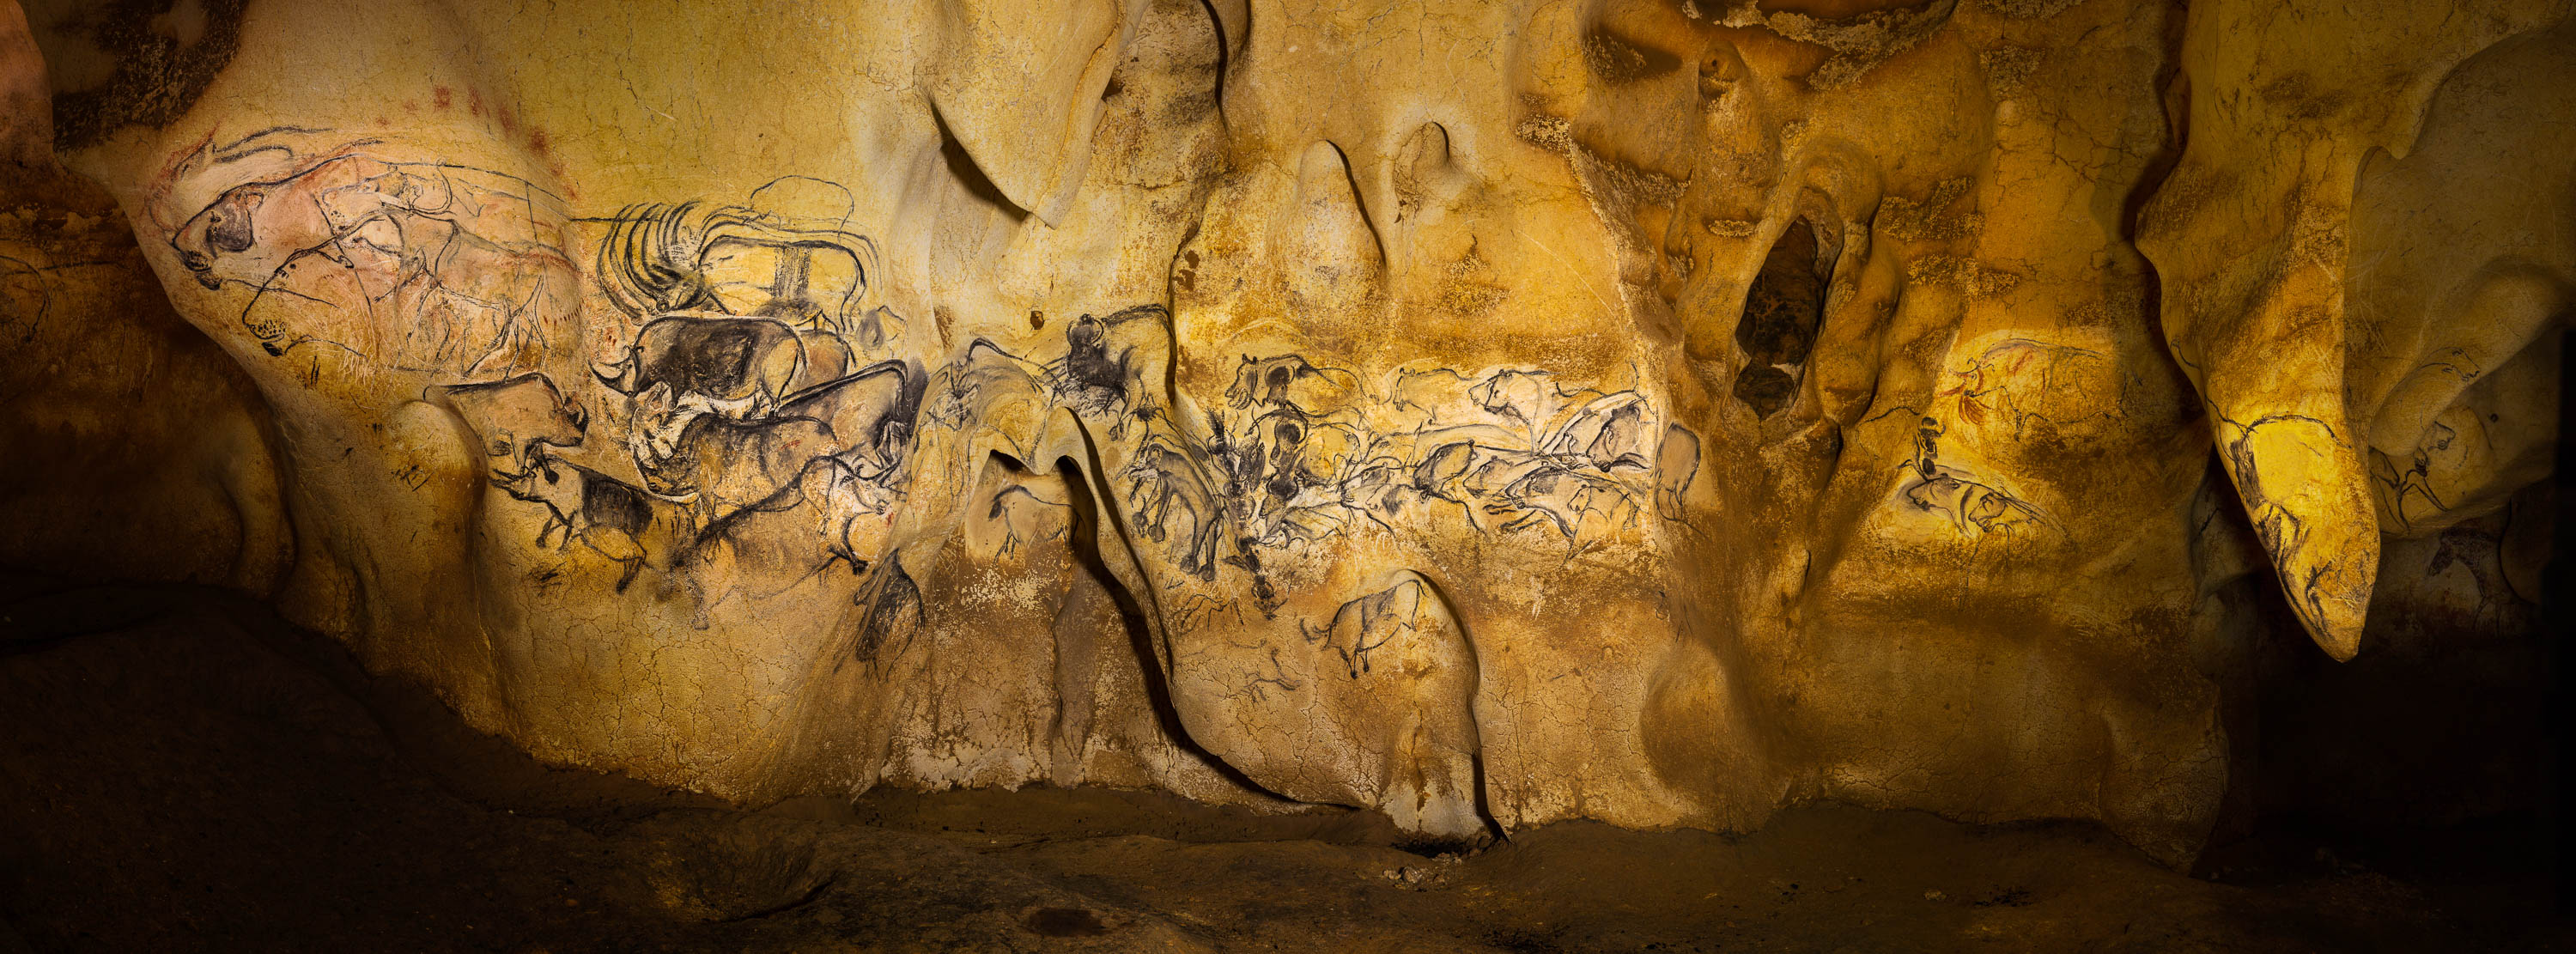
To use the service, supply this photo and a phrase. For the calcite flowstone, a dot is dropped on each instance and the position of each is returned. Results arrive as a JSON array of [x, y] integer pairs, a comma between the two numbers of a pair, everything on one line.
[[1491, 414]]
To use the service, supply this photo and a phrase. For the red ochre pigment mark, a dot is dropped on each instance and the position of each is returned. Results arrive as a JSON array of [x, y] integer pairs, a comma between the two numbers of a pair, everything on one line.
[[445, 98], [537, 142], [509, 121], [474, 101], [168, 177], [180, 156], [411, 105]]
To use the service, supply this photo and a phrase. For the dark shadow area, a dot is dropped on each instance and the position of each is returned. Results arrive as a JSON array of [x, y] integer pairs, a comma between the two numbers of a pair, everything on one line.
[[1781, 314], [183, 771], [962, 165], [1150, 657]]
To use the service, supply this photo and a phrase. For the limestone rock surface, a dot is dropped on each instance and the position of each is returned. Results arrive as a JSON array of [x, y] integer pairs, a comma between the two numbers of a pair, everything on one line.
[[1491, 414]]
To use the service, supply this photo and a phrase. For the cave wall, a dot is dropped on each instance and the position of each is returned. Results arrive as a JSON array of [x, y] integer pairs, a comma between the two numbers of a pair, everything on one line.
[[1490, 414]]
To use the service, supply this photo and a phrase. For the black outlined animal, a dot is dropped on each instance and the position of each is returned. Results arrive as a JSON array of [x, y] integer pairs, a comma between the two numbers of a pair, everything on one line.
[[416, 265], [607, 515], [782, 540], [2416, 480], [2477, 550], [1972, 505], [24, 299], [1513, 444], [1363, 625], [685, 368], [1386, 485], [894, 612], [787, 253], [1098, 374], [870, 412], [1172, 504], [1289, 380], [723, 465], [740, 367], [513, 416], [1376, 490], [1559, 496], [1518, 395], [1196, 611], [1438, 474], [1094, 376], [1277, 460], [1297, 451], [1609, 432], [980, 381], [2283, 534], [1676, 467], [1024, 517], [1927, 448], [215, 244]]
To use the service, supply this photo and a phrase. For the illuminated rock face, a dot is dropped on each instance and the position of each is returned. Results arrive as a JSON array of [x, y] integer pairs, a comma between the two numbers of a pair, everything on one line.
[[1492, 415]]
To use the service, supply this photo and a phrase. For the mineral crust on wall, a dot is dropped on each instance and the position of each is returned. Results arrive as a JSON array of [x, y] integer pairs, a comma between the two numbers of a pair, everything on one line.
[[1492, 414]]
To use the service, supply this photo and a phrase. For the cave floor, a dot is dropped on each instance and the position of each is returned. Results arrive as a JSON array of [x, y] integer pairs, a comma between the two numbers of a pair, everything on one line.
[[179, 771]]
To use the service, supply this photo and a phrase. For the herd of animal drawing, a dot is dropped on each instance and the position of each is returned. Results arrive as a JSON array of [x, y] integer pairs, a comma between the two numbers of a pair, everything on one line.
[[766, 420], [711, 399]]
